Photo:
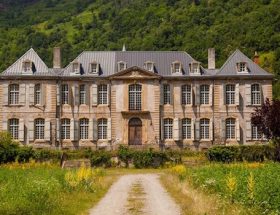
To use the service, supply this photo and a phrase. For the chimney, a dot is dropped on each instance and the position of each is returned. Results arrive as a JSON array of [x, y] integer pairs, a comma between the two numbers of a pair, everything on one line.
[[211, 58], [56, 58], [256, 58]]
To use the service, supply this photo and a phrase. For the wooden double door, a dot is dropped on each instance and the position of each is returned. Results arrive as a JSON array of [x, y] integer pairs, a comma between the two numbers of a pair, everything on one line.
[[135, 131]]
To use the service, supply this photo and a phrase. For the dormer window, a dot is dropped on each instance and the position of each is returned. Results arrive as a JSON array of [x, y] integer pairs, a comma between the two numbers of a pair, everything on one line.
[[242, 67], [94, 68], [76, 68], [176, 67], [121, 66], [26, 66], [149, 66], [195, 68]]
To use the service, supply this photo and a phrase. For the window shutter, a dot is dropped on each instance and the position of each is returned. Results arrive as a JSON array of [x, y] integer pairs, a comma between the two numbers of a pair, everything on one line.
[[192, 95], [47, 129], [58, 100], [211, 129], [248, 130], [21, 130], [192, 129], [223, 129], [87, 88], [161, 94], [171, 94], [237, 94], [95, 130], [109, 127], [22, 94], [223, 94], [4, 125], [161, 129], [94, 94], [211, 94], [108, 94], [176, 129], [31, 94], [90, 129], [237, 130], [197, 95], [248, 94], [197, 129], [43, 94], [5, 94], [31, 129], [71, 95], [261, 91], [76, 95], [57, 130], [74, 131]]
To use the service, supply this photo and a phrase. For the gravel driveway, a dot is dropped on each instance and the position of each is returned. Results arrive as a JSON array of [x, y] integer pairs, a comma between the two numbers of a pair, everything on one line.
[[125, 198]]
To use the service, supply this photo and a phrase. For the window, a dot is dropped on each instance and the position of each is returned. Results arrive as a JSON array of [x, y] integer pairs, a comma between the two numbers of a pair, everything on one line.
[[230, 94], [149, 66], [242, 67], [186, 128], [176, 67], [166, 94], [64, 93], [14, 128], [65, 129], [102, 94], [168, 128], [256, 134], [84, 129], [255, 94], [39, 129], [121, 66], [230, 128], [102, 129], [26, 66], [204, 94], [37, 94], [186, 91], [94, 68], [13, 94], [135, 97], [76, 68], [82, 94], [204, 128], [194, 68]]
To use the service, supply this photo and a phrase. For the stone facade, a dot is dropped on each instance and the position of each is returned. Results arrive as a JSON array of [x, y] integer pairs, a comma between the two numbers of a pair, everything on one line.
[[118, 111]]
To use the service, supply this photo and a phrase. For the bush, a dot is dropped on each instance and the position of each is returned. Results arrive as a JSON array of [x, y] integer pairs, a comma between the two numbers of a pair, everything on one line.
[[100, 158], [149, 158], [8, 148], [46, 155], [125, 155], [24, 154]]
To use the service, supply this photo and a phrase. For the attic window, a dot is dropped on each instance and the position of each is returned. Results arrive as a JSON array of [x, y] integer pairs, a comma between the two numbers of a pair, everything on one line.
[[195, 68], [149, 66], [76, 68], [176, 67], [121, 66], [94, 67], [242, 67], [26, 66]]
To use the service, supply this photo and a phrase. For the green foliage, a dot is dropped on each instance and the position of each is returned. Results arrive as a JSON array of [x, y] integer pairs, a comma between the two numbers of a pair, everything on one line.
[[100, 158], [8, 148], [125, 155], [24, 154]]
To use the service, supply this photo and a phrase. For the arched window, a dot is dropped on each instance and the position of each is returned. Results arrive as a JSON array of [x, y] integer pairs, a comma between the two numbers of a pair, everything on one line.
[[14, 128], [84, 128], [65, 129], [39, 129], [135, 97], [13, 94], [186, 128], [64, 94], [256, 94], [37, 94], [186, 94], [102, 129], [204, 94], [204, 128], [82, 94], [230, 94], [102, 94], [168, 128], [230, 128], [166, 94]]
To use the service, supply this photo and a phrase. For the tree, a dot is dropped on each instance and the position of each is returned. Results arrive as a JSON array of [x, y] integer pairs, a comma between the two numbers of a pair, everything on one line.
[[267, 120]]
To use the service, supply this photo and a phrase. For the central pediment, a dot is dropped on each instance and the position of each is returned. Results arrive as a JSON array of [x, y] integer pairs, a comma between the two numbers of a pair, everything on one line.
[[135, 73]]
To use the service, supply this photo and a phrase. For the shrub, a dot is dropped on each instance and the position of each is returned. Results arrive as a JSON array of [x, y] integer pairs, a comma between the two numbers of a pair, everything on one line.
[[100, 158], [24, 154], [224, 154], [8, 148], [46, 155], [125, 154]]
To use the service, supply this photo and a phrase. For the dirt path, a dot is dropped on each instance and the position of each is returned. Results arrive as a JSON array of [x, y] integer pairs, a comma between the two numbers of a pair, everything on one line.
[[136, 195]]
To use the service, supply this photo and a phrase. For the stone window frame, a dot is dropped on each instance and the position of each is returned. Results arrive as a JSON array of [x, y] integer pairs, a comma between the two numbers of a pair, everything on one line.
[[186, 94], [65, 129], [94, 70], [242, 67], [82, 94], [135, 97], [256, 134], [204, 94], [174, 65], [256, 94], [64, 94], [166, 94], [168, 128], [84, 128], [39, 129], [230, 125], [204, 128], [27, 66], [102, 93], [122, 66], [194, 68], [186, 128], [102, 125], [13, 94], [37, 94], [230, 94], [77, 69], [152, 64], [13, 128]]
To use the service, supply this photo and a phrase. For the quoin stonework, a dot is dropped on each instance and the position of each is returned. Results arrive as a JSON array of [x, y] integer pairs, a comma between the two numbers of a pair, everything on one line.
[[148, 98]]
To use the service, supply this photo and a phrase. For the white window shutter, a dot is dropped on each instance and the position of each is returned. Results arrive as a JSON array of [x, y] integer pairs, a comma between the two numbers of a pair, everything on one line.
[[262, 97], [95, 130], [57, 130], [4, 125], [237, 129], [31, 129], [47, 129], [211, 94], [109, 129], [74, 130], [223, 129], [211, 129], [223, 94], [76, 95], [248, 130], [108, 94], [43, 94], [22, 94], [161, 94], [31, 94], [90, 129], [197, 96], [171, 94], [94, 94], [58, 98], [21, 130], [248, 94], [176, 129], [197, 129], [5, 94], [192, 129], [237, 94], [192, 94]]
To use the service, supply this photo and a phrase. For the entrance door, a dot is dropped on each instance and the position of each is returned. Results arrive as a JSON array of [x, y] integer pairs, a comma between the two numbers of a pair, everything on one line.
[[135, 131]]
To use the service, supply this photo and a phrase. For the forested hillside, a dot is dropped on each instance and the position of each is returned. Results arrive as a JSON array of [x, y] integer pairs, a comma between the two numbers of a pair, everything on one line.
[[188, 25]]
